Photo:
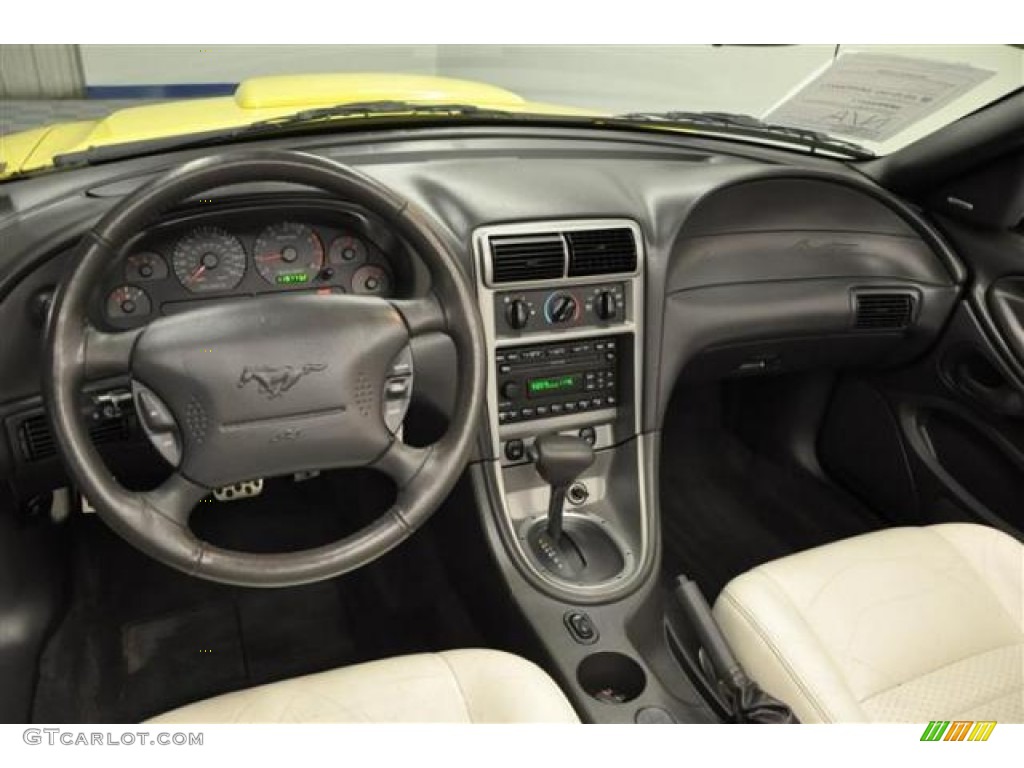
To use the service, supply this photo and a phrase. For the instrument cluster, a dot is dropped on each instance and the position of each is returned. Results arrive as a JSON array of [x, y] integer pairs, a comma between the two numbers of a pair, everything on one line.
[[180, 266]]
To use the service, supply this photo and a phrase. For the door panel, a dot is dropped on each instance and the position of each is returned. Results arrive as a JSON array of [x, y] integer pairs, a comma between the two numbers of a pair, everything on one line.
[[1006, 302]]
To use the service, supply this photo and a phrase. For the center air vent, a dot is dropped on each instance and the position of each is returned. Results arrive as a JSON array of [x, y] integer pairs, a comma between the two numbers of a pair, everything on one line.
[[883, 311], [601, 251], [521, 258]]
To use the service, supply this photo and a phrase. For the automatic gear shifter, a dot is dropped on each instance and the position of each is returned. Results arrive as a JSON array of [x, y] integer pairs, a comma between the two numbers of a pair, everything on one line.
[[559, 460], [575, 549]]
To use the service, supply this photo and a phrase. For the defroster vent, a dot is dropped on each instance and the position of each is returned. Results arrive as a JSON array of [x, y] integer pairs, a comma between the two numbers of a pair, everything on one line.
[[601, 251], [522, 258], [883, 311]]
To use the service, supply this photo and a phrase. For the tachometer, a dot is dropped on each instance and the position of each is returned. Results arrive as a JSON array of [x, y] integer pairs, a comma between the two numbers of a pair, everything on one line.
[[209, 259], [288, 253], [144, 266]]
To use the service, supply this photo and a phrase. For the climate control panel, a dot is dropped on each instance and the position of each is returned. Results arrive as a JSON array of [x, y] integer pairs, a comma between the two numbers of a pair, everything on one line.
[[550, 309]]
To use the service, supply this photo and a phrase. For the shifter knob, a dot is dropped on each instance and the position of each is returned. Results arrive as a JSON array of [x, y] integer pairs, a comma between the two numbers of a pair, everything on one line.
[[560, 459]]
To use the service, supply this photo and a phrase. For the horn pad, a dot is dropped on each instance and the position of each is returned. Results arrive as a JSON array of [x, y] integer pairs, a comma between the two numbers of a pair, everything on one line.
[[272, 385]]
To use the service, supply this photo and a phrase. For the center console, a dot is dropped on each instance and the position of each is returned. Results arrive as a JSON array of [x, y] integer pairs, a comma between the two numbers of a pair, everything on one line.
[[562, 304]]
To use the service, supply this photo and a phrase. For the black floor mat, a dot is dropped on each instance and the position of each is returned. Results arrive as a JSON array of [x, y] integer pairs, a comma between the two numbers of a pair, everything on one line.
[[140, 638], [726, 508]]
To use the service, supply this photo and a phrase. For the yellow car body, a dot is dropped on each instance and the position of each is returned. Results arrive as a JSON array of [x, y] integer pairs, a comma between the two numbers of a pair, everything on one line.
[[257, 99]]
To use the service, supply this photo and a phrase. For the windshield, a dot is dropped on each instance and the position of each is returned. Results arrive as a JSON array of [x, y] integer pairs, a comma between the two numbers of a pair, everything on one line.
[[879, 97]]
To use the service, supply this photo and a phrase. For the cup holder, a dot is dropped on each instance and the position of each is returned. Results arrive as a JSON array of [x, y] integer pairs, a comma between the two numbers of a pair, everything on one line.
[[612, 678]]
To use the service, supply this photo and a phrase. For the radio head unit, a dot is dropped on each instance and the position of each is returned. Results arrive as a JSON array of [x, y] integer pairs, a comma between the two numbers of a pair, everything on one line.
[[537, 381]]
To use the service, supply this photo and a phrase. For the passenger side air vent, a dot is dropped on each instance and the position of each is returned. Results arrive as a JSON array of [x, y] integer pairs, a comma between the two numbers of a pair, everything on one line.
[[37, 442], [520, 258], [883, 311], [601, 251]]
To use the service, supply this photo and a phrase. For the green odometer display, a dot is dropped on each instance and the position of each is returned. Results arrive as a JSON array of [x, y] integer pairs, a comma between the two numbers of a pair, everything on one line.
[[551, 385], [293, 278]]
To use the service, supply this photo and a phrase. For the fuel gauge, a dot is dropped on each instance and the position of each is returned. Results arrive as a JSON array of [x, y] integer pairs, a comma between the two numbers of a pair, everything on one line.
[[372, 280], [128, 302]]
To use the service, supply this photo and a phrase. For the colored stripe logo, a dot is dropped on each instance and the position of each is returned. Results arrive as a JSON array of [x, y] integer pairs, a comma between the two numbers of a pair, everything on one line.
[[958, 730]]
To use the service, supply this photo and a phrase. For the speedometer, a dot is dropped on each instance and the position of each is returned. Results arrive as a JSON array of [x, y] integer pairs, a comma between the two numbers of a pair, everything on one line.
[[209, 259], [288, 253]]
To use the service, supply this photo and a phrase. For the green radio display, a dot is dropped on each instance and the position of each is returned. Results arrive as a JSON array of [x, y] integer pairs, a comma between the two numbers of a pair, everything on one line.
[[551, 385]]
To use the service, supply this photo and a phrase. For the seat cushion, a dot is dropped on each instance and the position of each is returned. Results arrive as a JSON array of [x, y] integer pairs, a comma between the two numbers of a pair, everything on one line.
[[902, 625], [463, 686]]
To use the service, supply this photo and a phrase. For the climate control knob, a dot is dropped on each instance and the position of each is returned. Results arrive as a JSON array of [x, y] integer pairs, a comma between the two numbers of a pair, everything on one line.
[[517, 314], [561, 308], [605, 306]]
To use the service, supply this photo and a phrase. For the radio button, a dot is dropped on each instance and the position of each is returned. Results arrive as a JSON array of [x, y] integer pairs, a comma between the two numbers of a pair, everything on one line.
[[510, 390], [527, 413]]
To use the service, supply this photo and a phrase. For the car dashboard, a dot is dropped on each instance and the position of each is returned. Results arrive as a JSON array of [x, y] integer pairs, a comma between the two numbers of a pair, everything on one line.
[[704, 262]]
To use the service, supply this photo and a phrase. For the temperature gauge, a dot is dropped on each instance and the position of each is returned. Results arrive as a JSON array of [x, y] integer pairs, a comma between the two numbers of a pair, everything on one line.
[[128, 302]]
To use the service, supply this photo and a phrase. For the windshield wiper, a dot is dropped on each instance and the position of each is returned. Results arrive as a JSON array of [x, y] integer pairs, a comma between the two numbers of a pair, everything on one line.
[[372, 109], [368, 109], [747, 125]]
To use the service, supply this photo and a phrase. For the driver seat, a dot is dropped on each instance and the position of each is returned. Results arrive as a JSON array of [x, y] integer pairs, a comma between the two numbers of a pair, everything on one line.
[[462, 686]]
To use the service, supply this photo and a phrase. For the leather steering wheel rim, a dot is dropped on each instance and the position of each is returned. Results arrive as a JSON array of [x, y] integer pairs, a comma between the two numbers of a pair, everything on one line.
[[156, 521]]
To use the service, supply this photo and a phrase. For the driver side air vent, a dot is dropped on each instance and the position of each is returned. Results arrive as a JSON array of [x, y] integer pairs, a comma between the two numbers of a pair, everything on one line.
[[521, 258], [37, 443], [883, 311], [601, 251]]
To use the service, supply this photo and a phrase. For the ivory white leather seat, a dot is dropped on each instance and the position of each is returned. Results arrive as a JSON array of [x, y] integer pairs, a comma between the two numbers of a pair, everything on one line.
[[463, 686], [902, 625]]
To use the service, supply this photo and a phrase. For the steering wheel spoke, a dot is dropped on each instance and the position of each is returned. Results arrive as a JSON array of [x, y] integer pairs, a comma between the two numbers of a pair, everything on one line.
[[175, 498], [422, 315], [107, 354], [402, 462]]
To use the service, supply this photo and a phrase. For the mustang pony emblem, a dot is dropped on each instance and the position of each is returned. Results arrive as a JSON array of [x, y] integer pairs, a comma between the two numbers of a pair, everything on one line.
[[274, 381]]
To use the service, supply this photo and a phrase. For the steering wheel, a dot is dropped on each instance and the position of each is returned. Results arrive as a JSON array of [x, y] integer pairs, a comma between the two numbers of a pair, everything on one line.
[[268, 385]]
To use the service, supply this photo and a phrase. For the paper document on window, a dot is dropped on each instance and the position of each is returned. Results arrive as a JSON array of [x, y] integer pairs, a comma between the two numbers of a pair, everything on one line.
[[873, 96]]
